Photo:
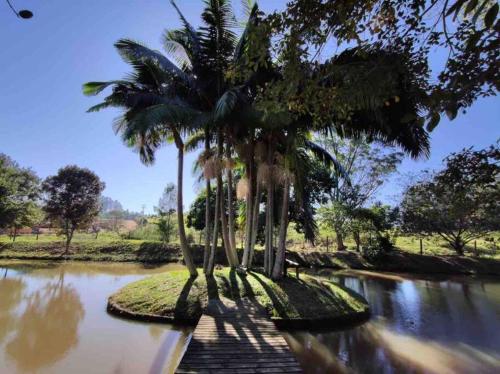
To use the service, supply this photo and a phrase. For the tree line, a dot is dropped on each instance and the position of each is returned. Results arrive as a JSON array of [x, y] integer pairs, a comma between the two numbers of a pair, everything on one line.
[[70, 200]]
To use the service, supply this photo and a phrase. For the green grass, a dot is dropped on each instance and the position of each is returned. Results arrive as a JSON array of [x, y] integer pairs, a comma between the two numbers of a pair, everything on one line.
[[103, 237], [437, 246], [433, 245], [84, 247], [176, 296]]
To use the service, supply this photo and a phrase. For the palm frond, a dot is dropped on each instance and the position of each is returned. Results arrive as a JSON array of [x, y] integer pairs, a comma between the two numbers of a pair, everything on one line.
[[194, 141], [326, 158], [100, 106], [226, 104], [95, 88], [132, 51], [219, 21], [248, 6], [177, 51], [242, 44], [164, 114], [191, 33]]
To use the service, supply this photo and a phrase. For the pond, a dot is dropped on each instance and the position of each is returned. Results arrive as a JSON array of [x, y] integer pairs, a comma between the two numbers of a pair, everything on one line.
[[418, 325], [53, 319]]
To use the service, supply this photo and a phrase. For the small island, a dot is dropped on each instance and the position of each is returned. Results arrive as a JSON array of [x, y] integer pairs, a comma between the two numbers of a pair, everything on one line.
[[176, 297]]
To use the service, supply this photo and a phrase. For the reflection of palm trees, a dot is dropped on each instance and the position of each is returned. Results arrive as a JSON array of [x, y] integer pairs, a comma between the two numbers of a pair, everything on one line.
[[48, 328], [11, 291]]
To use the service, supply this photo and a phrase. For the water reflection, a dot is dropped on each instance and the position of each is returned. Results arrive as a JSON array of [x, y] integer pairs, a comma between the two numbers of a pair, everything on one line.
[[11, 292], [53, 320], [48, 327], [418, 325]]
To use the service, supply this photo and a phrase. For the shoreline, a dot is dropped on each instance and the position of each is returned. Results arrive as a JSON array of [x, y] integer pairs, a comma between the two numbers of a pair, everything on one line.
[[156, 253]]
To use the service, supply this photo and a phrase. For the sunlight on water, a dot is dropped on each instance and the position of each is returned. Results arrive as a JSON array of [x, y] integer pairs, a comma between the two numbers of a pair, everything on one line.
[[418, 325], [433, 357]]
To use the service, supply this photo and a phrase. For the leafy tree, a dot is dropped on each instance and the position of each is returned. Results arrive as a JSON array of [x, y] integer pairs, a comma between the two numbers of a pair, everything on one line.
[[336, 216], [381, 220], [465, 31], [317, 191], [26, 215], [116, 217], [96, 229], [72, 199], [368, 166], [459, 203], [166, 206], [196, 215], [19, 190], [109, 205], [167, 201], [384, 217]]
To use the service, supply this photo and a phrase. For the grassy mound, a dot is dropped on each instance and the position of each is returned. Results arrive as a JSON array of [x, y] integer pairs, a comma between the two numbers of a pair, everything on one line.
[[173, 296]]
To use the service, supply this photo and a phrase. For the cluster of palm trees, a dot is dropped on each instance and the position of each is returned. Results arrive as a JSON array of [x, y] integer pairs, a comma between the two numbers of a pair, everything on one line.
[[205, 91]]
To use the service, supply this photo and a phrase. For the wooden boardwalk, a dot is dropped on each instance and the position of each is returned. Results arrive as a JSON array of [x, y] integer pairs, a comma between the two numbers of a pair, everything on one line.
[[237, 338]]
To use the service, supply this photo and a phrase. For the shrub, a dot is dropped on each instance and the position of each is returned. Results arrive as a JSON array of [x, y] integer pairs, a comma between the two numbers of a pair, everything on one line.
[[377, 247]]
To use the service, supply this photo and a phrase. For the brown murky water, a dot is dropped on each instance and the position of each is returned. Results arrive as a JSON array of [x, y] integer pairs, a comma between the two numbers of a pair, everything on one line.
[[53, 320], [449, 325]]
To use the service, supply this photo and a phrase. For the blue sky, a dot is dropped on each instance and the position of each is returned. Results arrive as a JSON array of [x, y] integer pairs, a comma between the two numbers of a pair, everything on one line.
[[43, 124]]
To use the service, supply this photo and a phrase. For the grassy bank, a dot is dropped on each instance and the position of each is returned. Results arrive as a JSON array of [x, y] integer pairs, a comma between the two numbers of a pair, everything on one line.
[[173, 296], [103, 249], [109, 248], [404, 262]]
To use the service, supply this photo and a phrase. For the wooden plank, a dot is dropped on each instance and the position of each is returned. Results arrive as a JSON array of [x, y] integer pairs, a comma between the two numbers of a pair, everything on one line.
[[237, 337]]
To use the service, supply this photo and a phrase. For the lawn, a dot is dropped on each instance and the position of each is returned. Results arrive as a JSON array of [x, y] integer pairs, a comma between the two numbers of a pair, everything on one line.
[[175, 296]]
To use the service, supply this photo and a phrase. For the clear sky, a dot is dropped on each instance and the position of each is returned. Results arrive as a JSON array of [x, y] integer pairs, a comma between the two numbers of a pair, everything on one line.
[[43, 124]]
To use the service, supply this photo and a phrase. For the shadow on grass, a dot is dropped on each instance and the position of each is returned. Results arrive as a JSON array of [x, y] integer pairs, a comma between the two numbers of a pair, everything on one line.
[[298, 299], [212, 288], [183, 305]]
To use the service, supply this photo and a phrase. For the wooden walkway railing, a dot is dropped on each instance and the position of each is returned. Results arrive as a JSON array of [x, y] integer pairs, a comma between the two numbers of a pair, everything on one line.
[[237, 338]]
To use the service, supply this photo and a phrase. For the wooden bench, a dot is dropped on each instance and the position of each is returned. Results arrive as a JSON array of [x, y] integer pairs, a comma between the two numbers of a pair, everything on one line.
[[290, 263]]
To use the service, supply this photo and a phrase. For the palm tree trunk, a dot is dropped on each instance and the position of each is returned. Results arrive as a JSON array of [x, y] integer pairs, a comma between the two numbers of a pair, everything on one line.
[[249, 215], [206, 254], [268, 263], [230, 205], [208, 229], [255, 222], [279, 264], [232, 259], [186, 253], [268, 259], [223, 221], [215, 233]]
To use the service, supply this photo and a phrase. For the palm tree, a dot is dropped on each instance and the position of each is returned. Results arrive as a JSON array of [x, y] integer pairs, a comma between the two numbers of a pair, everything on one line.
[[395, 122], [222, 52], [154, 112], [186, 91]]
